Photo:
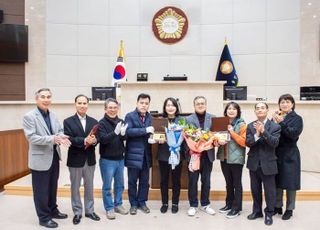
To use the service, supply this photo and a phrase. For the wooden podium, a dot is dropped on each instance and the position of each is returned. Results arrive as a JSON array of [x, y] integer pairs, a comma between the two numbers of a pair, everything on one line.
[[185, 91], [155, 171]]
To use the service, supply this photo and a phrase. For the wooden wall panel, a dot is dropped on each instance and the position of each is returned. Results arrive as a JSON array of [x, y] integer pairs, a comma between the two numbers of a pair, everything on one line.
[[13, 19], [155, 175], [12, 75], [13, 156], [14, 84], [13, 7]]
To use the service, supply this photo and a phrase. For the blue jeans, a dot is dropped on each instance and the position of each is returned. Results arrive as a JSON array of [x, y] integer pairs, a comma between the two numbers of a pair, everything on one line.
[[112, 169]]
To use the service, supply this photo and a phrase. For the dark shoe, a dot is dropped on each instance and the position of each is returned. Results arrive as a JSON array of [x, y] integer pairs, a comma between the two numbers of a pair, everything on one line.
[[255, 215], [59, 215], [225, 209], [287, 215], [76, 219], [174, 208], [49, 224], [133, 210], [164, 208], [233, 213], [144, 209], [278, 211], [93, 216], [268, 220]]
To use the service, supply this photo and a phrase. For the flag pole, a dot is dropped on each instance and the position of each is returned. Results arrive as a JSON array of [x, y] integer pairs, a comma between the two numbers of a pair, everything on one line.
[[121, 50]]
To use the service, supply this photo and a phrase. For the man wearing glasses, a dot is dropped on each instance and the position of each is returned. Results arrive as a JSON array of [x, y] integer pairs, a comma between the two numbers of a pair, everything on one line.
[[45, 135], [200, 119]]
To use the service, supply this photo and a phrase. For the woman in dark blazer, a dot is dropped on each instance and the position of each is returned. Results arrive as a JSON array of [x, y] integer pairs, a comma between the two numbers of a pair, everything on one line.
[[288, 154], [170, 111]]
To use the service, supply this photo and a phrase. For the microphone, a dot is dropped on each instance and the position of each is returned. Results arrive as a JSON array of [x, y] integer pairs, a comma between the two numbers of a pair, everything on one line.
[[179, 105]]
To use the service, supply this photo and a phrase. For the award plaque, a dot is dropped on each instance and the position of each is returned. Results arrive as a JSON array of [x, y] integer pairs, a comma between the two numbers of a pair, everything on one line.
[[159, 125], [219, 128]]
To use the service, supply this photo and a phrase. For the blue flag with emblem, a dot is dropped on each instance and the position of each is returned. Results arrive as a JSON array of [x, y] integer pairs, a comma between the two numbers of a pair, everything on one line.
[[226, 70]]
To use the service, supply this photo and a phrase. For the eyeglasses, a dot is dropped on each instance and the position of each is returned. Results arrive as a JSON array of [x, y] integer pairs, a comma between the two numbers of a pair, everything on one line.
[[115, 107], [201, 103]]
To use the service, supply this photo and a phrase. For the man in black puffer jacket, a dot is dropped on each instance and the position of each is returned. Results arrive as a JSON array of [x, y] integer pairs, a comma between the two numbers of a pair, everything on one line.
[[111, 135]]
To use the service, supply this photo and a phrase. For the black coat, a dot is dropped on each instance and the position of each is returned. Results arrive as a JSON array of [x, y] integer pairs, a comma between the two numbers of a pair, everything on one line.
[[262, 151], [137, 147], [288, 154], [77, 155], [111, 144]]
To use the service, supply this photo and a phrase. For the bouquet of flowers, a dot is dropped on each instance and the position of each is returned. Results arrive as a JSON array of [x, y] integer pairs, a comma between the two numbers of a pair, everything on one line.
[[174, 135], [198, 140]]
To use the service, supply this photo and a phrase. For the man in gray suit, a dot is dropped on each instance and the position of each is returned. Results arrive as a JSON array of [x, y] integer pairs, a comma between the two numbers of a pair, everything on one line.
[[44, 134], [200, 119]]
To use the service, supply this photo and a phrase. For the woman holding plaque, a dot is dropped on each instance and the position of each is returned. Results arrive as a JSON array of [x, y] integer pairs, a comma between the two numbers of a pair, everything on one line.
[[288, 154], [232, 158], [171, 112]]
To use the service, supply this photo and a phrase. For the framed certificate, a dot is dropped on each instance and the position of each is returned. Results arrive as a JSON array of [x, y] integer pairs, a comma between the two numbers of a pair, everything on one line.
[[219, 126], [159, 124]]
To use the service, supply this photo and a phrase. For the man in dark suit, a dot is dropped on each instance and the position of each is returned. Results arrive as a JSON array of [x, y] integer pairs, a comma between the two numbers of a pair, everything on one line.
[[81, 158], [200, 119], [138, 154], [44, 134], [262, 139]]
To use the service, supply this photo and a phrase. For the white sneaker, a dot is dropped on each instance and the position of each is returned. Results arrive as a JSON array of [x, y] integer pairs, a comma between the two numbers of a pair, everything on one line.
[[207, 209], [111, 215], [120, 209], [192, 211]]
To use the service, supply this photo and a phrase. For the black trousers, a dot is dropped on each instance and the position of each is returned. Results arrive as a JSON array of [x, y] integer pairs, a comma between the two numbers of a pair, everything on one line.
[[205, 172], [138, 191], [44, 185], [257, 178], [232, 174], [165, 169]]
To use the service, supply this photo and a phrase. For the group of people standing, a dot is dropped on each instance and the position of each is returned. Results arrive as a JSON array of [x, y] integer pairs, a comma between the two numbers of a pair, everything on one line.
[[273, 158]]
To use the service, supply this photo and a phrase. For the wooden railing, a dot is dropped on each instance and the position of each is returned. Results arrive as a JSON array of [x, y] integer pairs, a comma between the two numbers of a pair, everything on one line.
[[13, 156]]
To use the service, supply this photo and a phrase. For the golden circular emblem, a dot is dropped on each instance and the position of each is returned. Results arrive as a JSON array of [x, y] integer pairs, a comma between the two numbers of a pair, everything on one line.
[[226, 67], [170, 25]]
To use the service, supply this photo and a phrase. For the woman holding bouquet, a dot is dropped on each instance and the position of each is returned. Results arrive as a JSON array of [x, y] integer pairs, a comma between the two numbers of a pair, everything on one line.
[[170, 111], [232, 158], [289, 165]]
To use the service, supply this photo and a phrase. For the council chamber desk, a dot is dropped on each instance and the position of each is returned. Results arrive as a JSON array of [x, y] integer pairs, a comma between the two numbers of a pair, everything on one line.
[[185, 92], [309, 143]]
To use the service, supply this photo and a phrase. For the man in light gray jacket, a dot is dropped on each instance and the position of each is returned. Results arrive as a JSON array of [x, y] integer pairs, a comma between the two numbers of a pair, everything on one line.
[[44, 134]]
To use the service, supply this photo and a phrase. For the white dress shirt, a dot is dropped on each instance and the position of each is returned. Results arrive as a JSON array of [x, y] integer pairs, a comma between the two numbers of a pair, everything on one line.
[[83, 121]]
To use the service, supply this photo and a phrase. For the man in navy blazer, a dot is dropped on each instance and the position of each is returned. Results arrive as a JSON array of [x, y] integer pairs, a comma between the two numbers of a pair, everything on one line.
[[138, 157], [81, 158], [262, 139]]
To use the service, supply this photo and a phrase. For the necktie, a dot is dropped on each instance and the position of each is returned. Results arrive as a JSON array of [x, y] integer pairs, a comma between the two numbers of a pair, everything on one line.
[[142, 119]]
